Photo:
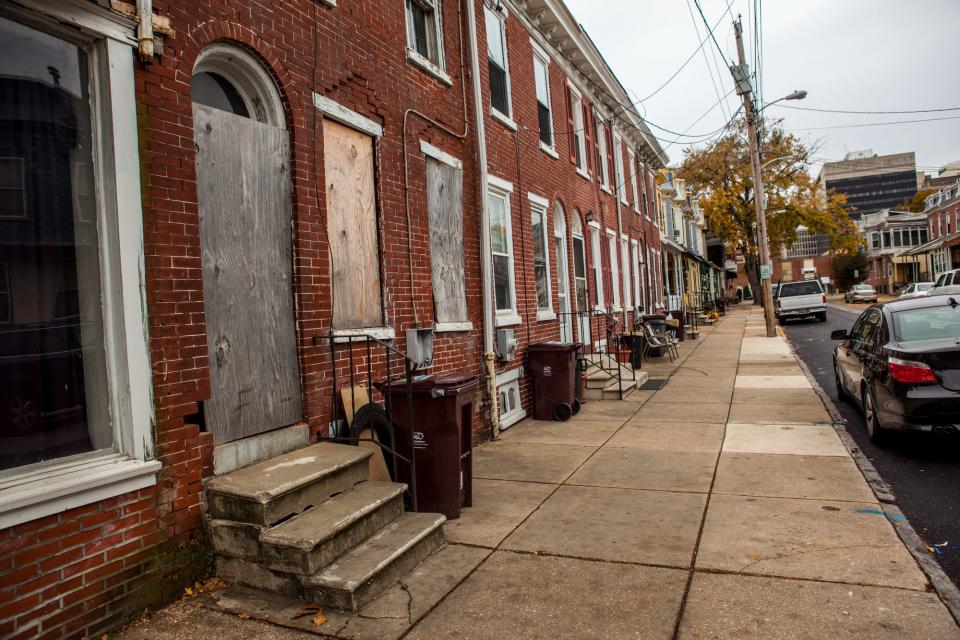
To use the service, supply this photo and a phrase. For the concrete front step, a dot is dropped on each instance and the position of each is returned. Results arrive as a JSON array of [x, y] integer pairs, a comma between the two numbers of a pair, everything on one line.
[[614, 391], [267, 492], [361, 574], [310, 541]]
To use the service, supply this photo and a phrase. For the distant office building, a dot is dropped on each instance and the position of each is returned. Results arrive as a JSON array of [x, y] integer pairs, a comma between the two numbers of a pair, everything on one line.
[[946, 177], [871, 182]]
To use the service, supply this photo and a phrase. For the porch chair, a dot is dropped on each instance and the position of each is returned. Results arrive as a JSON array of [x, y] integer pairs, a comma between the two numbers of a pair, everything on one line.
[[660, 341]]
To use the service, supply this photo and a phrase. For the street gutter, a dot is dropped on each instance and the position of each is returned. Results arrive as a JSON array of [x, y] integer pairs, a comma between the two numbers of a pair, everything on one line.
[[945, 588]]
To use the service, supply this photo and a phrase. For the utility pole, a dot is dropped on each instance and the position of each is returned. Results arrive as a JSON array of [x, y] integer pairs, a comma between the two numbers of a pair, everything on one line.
[[741, 76]]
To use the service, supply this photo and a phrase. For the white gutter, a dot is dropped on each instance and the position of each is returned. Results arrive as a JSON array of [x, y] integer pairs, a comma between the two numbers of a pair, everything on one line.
[[486, 263], [145, 29]]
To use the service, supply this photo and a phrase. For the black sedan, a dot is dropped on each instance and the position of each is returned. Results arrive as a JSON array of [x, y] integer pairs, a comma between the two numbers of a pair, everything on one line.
[[901, 363]]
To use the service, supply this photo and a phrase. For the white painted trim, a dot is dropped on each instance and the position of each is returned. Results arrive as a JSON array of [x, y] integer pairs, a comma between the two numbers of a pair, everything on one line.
[[624, 236], [544, 315], [509, 376], [539, 51], [343, 115], [46, 492], [380, 333], [89, 16], [550, 151], [253, 82], [508, 319], [611, 232], [500, 184], [606, 190], [505, 119], [444, 327], [540, 201], [437, 154], [593, 224], [583, 173], [429, 67], [510, 419]]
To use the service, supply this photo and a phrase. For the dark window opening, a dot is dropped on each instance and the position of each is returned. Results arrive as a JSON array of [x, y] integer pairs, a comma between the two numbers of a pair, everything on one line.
[[213, 90]]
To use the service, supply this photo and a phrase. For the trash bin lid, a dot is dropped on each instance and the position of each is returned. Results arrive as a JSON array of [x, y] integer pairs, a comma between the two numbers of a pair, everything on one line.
[[443, 380], [553, 345]]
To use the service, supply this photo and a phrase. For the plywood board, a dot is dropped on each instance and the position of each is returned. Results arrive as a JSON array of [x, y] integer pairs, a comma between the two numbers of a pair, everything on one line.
[[352, 227], [243, 187], [445, 209]]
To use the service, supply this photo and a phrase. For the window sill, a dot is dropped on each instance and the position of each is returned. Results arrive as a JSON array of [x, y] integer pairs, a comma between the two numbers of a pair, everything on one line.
[[380, 333], [509, 320], [546, 315], [52, 490], [445, 327], [583, 174], [507, 420], [429, 67], [550, 151], [606, 189], [504, 119]]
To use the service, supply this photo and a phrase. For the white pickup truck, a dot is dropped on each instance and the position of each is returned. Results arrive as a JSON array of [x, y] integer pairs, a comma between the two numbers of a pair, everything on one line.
[[800, 299]]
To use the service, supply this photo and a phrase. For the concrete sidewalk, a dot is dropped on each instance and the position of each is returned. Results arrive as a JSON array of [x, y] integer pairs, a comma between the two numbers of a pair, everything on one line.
[[723, 505]]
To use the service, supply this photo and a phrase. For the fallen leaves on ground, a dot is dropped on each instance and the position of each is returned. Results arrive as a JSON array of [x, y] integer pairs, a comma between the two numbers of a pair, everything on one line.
[[315, 609]]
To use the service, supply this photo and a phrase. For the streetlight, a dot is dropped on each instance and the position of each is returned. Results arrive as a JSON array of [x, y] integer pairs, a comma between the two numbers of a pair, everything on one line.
[[741, 76]]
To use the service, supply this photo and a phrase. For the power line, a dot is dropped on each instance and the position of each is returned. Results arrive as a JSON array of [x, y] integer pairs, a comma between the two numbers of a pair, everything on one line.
[[723, 56], [819, 110], [875, 124], [706, 60]]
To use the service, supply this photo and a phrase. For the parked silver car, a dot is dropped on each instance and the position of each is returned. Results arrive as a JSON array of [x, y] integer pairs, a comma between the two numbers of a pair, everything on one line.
[[915, 290], [948, 282], [860, 293]]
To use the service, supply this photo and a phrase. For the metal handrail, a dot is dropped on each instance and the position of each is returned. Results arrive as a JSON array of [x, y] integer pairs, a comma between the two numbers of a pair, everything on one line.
[[410, 366]]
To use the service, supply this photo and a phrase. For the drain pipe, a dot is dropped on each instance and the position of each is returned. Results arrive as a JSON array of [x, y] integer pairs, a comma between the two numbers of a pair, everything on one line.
[[486, 264], [145, 29]]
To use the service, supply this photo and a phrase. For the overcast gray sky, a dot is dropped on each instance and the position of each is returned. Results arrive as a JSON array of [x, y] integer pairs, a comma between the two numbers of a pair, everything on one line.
[[865, 55]]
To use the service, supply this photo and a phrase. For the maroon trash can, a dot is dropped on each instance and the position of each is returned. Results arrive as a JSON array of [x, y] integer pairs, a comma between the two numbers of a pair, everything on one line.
[[554, 368], [442, 409]]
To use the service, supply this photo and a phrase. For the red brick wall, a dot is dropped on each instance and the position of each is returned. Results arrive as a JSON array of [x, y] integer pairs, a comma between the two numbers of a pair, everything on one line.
[[94, 567]]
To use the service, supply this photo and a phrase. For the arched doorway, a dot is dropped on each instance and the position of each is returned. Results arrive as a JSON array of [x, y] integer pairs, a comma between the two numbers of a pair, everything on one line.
[[243, 192], [581, 306], [563, 276]]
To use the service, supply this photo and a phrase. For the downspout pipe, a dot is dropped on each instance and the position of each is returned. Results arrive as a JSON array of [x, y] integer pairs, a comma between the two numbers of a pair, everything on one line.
[[486, 260], [145, 29]]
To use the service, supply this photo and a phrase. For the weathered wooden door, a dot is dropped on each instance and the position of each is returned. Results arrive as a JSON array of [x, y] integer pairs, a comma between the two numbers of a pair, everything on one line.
[[243, 187]]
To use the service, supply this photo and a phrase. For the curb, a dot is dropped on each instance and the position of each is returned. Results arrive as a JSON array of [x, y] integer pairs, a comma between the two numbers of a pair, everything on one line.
[[947, 591]]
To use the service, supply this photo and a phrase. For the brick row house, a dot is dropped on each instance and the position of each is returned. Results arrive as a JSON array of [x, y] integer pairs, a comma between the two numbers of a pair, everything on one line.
[[217, 214], [939, 250]]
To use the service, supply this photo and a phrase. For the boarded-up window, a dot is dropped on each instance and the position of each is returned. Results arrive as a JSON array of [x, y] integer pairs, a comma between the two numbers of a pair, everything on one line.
[[352, 227], [445, 208]]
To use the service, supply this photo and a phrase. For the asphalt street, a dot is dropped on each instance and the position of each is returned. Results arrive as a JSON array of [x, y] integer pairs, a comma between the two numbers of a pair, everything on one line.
[[922, 470]]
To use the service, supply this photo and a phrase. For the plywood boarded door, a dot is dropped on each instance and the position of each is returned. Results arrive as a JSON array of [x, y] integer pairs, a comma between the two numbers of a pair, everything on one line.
[[352, 227], [243, 186], [445, 208]]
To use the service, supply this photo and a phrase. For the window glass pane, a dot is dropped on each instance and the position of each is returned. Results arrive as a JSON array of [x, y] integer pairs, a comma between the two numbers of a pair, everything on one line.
[[540, 260], [498, 89], [498, 224], [53, 392], [420, 24], [215, 91], [928, 324], [495, 39], [543, 89], [501, 282]]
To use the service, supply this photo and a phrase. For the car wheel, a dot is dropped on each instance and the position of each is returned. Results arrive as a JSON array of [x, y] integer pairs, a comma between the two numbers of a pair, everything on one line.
[[875, 431], [841, 391], [822, 316]]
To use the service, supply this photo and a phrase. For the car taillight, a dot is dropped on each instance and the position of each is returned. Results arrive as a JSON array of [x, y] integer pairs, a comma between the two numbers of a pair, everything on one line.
[[824, 298], [910, 372], [778, 303]]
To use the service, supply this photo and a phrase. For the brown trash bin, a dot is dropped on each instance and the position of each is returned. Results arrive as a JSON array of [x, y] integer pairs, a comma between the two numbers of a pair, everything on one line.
[[442, 437], [554, 368]]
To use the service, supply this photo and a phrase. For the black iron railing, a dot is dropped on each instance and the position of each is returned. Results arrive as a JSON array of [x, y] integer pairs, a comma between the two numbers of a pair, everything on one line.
[[380, 368]]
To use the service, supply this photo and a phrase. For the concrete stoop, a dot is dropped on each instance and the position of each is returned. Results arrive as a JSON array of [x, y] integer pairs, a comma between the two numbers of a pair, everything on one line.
[[309, 524], [603, 385]]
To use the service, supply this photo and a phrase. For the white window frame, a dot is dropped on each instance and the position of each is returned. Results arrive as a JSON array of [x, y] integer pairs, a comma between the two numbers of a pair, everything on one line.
[[644, 190], [595, 249], [618, 175], [501, 17], [435, 68], [632, 159], [625, 259], [23, 187], [636, 257], [505, 381], [36, 490], [538, 209], [579, 128], [602, 143], [614, 247], [541, 57], [500, 188]]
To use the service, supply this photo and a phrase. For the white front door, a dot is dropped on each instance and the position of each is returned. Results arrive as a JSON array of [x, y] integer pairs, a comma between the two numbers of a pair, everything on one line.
[[563, 290], [580, 282]]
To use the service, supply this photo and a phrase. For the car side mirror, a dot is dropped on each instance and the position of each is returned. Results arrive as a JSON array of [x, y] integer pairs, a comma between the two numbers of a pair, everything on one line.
[[839, 334]]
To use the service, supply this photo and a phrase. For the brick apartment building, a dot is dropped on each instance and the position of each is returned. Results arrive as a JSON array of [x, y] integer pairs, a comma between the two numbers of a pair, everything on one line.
[[201, 210], [941, 252]]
